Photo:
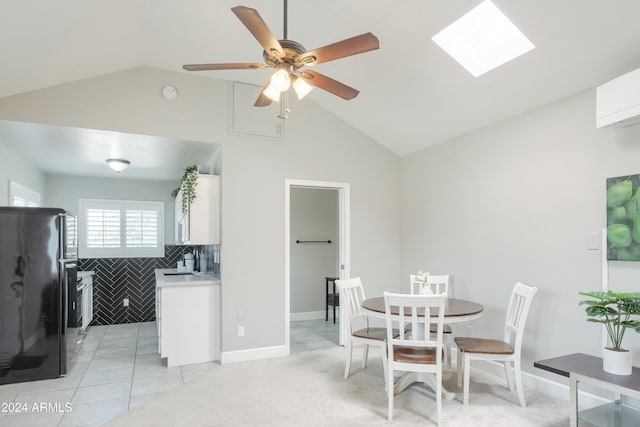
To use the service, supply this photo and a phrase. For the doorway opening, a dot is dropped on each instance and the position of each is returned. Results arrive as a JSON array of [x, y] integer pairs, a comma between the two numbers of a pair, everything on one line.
[[316, 246]]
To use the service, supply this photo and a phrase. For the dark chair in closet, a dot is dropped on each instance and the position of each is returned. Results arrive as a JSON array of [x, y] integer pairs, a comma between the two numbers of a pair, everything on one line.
[[333, 297]]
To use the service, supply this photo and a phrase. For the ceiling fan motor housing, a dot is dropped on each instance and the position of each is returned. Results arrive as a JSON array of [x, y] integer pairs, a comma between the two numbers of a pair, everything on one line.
[[292, 51]]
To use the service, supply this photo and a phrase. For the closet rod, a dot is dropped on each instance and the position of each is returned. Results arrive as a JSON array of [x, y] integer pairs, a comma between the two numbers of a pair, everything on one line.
[[313, 241]]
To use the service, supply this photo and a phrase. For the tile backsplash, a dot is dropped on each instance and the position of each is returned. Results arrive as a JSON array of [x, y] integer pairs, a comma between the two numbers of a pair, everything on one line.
[[133, 278]]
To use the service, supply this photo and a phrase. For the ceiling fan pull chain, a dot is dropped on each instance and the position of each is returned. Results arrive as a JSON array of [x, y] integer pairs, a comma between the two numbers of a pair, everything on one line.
[[284, 107]]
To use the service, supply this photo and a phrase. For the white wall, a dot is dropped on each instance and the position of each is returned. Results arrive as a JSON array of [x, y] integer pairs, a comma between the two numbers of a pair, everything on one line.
[[318, 146], [514, 202], [13, 167], [314, 216], [64, 191]]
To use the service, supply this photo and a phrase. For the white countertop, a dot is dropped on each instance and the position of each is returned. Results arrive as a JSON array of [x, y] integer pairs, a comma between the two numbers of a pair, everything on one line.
[[195, 279]]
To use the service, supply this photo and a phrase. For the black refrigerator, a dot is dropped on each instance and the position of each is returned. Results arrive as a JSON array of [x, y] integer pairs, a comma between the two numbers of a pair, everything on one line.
[[38, 254]]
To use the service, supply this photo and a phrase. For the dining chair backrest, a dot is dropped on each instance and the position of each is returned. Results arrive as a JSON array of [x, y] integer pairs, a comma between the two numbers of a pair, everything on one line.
[[517, 312], [429, 284], [352, 294], [417, 313]]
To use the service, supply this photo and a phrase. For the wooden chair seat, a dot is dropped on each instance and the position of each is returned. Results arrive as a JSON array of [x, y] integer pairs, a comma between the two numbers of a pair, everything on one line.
[[483, 346], [414, 355], [379, 334]]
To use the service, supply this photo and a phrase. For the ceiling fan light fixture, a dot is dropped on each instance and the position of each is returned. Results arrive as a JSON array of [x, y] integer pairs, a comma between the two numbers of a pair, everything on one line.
[[281, 80], [272, 93], [118, 165], [301, 87]]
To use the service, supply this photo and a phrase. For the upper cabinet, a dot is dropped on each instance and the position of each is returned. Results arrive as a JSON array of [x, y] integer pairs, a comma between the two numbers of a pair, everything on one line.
[[201, 224]]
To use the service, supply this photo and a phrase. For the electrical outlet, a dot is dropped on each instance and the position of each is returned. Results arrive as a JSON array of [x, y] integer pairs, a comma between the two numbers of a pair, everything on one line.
[[125, 302], [240, 331]]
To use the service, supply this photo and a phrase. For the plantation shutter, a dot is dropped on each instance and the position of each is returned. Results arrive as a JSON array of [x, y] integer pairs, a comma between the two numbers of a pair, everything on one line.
[[142, 229], [103, 228], [121, 228]]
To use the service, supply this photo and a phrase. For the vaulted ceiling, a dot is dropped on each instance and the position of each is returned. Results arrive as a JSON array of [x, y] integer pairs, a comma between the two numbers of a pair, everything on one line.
[[412, 93]]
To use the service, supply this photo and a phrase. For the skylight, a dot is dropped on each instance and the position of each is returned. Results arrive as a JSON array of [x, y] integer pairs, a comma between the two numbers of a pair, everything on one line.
[[483, 39]]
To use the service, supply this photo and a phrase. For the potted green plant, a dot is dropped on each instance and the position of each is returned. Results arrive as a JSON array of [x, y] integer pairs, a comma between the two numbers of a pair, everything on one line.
[[188, 187], [615, 310]]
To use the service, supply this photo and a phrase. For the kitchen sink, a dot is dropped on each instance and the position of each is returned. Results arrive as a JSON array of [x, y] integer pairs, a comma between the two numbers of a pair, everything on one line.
[[179, 273]]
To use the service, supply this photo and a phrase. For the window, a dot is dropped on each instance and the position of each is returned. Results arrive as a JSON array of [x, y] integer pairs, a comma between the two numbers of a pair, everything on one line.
[[20, 195], [121, 228]]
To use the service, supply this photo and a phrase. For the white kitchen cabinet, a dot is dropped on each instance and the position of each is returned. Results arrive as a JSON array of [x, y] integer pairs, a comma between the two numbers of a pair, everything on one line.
[[188, 318], [201, 224]]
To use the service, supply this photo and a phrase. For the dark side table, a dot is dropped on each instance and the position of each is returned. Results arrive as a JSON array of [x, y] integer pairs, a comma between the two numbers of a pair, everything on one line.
[[588, 369]]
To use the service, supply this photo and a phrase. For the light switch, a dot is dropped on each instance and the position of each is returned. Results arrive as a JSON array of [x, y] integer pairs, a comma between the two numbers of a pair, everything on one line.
[[593, 241]]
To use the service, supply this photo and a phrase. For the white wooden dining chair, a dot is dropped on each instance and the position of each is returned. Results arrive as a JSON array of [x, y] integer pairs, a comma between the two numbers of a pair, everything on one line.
[[432, 284], [507, 351], [419, 350], [429, 284], [352, 294]]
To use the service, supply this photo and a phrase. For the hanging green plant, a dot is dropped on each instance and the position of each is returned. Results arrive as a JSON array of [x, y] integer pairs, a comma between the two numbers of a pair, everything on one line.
[[188, 187]]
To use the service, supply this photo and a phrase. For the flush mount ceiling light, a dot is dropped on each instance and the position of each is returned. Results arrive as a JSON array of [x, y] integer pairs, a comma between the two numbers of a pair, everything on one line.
[[118, 165], [483, 39]]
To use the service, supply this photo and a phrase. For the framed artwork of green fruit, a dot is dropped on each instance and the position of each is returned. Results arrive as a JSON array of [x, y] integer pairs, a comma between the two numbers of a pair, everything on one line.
[[623, 218]]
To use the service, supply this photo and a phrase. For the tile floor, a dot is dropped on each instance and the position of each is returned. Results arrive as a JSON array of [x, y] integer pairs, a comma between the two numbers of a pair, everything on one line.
[[307, 335], [116, 368]]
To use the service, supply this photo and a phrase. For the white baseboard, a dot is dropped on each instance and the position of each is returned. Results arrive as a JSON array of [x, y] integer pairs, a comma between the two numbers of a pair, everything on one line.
[[557, 390], [253, 354], [312, 315]]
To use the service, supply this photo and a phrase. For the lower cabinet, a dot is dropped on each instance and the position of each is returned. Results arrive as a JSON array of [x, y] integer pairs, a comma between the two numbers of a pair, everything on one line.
[[188, 320]]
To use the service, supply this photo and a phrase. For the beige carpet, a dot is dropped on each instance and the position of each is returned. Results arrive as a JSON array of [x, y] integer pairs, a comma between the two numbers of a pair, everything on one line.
[[307, 389]]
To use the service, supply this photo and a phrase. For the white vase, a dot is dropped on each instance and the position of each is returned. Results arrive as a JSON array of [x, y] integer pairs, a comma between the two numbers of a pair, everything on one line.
[[616, 362]]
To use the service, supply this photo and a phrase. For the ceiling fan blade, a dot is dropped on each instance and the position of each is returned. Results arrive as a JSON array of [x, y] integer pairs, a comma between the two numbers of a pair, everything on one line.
[[230, 66], [254, 23], [353, 46], [330, 85], [263, 100]]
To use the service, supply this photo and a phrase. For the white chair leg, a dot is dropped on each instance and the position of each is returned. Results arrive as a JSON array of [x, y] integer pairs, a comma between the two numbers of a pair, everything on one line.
[[518, 375], [447, 350], [390, 393], [385, 368], [467, 371], [459, 368], [508, 374], [347, 367], [365, 356], [439, 397]]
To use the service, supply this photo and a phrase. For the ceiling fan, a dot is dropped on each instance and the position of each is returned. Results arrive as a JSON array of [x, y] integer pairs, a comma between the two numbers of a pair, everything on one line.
[[290, 60]]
